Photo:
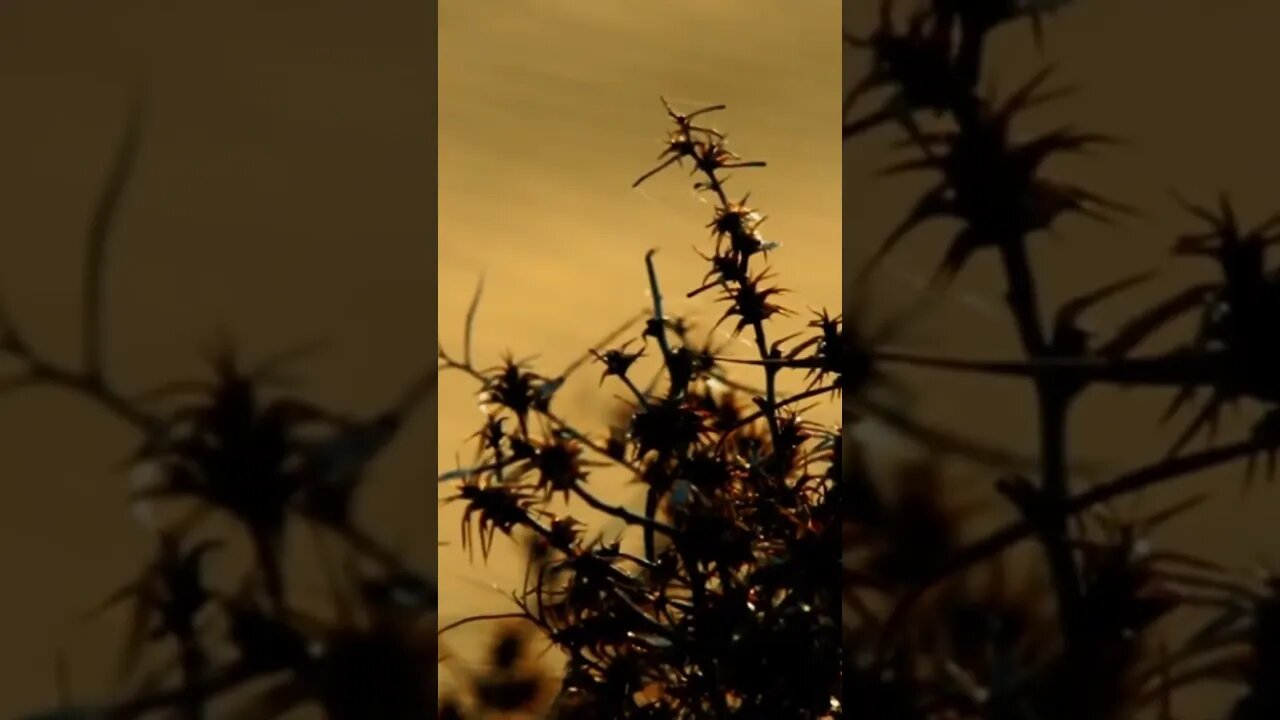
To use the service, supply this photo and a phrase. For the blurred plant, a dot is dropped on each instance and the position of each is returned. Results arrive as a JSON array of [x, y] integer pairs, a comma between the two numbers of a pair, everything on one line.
[[271, 461], [1082, 638]]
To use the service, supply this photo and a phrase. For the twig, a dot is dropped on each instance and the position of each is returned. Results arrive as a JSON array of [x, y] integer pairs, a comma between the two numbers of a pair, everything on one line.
[[104, 216], [469, 327], [1126, 484]]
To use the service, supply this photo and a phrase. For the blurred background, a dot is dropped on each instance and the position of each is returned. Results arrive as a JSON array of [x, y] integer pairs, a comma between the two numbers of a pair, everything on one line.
[[1178, 83], [285, 191]]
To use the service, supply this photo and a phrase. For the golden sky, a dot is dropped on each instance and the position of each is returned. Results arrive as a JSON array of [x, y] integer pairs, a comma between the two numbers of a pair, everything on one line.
[[548, 112]]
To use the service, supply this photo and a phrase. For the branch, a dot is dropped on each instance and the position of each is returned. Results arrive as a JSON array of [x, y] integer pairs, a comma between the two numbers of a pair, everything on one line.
[[89, 381], [1162, 371], [104, 217], [1128, 483], [40, 371]]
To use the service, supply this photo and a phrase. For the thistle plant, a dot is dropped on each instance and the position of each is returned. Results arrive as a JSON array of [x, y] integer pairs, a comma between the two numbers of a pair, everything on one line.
[[1091, 636], [730, 606]]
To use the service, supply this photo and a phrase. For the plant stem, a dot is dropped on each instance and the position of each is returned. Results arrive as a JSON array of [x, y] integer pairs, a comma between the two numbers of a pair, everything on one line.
[[770, 382], [1053, 405]]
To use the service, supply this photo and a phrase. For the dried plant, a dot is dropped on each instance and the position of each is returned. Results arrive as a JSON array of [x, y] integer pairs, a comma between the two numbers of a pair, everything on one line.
[[1090, 636], [730, 607]]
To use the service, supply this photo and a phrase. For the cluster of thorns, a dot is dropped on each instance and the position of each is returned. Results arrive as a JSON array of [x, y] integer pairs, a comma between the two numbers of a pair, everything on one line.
[[730, 608], [925, 640]]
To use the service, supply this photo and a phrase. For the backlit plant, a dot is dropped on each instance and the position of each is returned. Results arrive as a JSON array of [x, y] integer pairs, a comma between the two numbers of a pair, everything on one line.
[[730, 607]]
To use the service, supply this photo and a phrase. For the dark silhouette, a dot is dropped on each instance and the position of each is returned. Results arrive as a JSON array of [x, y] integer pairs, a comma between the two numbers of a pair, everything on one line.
[[732, 608], [269, 460], [1085, 637]]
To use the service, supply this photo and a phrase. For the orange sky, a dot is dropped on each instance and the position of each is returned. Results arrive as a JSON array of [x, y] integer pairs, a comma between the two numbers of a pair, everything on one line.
[[547, 115]]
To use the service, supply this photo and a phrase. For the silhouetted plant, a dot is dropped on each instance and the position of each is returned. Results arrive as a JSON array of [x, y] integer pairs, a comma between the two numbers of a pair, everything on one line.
[[272, 462], [731, 607], [1083, 640]]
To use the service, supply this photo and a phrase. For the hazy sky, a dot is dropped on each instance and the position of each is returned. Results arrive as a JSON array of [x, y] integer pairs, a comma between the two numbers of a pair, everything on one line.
[[546, 117]]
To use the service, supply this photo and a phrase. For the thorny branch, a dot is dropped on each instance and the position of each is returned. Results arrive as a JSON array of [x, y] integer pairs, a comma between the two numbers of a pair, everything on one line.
[[906, 571]]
